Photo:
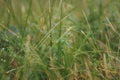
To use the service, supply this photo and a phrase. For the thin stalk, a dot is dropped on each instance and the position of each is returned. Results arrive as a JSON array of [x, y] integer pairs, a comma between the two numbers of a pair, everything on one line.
[[50, 27], [28, 14], [60, 29], [50, 21]]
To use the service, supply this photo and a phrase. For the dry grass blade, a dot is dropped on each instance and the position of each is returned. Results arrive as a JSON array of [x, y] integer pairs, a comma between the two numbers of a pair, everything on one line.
[[105, 66], [88, 72], [13, 33], [112, 27]]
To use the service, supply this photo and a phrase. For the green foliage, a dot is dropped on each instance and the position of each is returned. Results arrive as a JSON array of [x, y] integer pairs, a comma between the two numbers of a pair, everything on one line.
[[59, 40]]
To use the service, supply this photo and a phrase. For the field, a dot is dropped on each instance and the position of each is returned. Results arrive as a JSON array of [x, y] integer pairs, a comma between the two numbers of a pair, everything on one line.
[[59, 40]]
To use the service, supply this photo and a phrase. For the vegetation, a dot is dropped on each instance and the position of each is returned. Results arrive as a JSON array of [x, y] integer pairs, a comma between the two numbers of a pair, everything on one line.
[[59, 40]]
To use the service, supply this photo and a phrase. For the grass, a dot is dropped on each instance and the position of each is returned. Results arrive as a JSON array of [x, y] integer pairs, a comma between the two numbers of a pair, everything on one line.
[[59, 40]]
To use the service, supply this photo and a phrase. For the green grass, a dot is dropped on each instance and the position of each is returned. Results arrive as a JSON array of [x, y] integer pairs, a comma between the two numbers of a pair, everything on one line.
[[59, 40]]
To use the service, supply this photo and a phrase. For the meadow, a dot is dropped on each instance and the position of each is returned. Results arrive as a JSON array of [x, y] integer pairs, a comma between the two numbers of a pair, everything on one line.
[[59, 40]]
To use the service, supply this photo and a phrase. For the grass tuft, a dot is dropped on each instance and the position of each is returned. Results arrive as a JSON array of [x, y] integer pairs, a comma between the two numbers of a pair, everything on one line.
[[59, 40]]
